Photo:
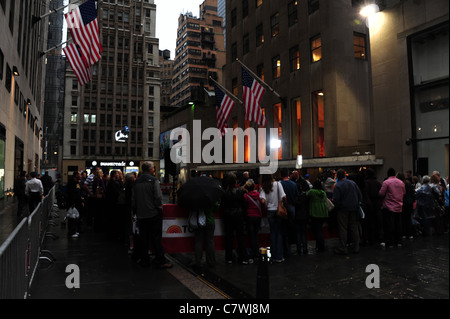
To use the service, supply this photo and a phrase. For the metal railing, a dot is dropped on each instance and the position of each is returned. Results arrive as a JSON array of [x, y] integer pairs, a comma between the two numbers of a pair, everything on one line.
[[22, 250]]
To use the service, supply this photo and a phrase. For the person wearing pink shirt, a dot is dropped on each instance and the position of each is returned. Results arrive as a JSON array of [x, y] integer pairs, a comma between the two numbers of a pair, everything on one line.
[[392, 192]]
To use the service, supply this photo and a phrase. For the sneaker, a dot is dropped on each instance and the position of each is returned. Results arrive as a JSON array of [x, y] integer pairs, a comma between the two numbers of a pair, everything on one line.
[[411, 237], [251, 261], [383, 244], [228, 261], [399, 245], [76, 235], [244, 262]]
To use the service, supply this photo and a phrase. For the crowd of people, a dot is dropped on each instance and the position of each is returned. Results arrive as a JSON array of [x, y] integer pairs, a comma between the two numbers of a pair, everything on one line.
[[30, 189], [357, 207], [127, 209]]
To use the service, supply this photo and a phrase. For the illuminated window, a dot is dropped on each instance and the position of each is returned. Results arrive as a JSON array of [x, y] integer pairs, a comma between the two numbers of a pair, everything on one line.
[[234, 86], [277, 123], [276, 67], [247, 142], [316, 49], [235, 141], [73, 118], [359, 46], [297, 117], [294, 58], [275, 24], [258, 3], [319, 124]]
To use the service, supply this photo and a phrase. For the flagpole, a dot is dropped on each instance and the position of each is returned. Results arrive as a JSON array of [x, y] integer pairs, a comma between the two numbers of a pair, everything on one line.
[[41, 54], [226, 91], [36, 19], [261, 81]]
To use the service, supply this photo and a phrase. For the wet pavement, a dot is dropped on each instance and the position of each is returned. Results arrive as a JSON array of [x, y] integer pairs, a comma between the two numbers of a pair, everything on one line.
[[417, 270]]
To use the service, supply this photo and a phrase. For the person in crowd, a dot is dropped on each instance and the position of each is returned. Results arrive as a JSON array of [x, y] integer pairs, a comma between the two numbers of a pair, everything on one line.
[[47, 182], [301, 216], [373, 208], [19, 192], [130, 179], [317, 200], [446, 216], [34, 192], [271, 193], [408, 206], [253, 210], [99, 192], [90, 199], [147, 201], [245, 178], [307, 178], [292, 194], [425, 204], [329, 183], [347, 198], [204, 239], [392, 191], [115, 205], [233, 209], [439, 202], [74, 200]]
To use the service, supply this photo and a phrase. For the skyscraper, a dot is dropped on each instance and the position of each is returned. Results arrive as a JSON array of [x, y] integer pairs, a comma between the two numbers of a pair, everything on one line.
[[124, 94]]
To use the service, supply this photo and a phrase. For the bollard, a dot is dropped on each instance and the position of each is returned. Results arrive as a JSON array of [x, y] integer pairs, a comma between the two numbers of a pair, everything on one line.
[[262, 279]]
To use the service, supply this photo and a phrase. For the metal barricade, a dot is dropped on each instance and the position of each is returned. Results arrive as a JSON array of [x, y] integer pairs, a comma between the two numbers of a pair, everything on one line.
[[22, 250], [14, 263]]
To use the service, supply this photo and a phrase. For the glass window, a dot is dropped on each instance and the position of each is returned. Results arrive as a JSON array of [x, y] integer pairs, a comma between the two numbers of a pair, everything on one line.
[[258, 3], [276, 67], [245, 44], [73, 118], [244, 8], [359, 45], [297, 117], [277, 123], [275, 24], [316, 49], [313, 6], [233, 17], [292, 12], [294, 58], [259, 35], [86, 118], [260, 71], [318, 124]]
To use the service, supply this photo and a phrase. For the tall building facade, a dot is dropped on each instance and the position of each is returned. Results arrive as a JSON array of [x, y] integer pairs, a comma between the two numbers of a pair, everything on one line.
[[166, 65], [410, 66], [199, 53], [54, 91], [22, 79], [124, 94], [315, 56]]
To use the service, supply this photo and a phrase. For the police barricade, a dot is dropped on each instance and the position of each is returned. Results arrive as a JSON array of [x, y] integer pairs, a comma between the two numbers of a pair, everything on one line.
[[178, 238], [13, 263], [21, 252]]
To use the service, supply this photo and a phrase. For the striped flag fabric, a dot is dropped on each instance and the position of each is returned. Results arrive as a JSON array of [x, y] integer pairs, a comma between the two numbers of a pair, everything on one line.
[[79, 64], [224, 107], [252, 94], [83, 24]]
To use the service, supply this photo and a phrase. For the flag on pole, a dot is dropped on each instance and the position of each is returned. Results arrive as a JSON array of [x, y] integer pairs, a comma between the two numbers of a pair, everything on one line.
[[78, 63], [223, 109], [252, 94], [83, 24]]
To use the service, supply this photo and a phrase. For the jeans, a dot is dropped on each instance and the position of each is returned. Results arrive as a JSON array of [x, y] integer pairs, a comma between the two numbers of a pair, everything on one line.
[[347, 220], [317, 228], [234, 225], [393, 227], [302, 241], [276, 236]]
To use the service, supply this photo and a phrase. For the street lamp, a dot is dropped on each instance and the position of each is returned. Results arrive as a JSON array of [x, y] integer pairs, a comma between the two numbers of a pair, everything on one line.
[[369, 10], [15, 71]]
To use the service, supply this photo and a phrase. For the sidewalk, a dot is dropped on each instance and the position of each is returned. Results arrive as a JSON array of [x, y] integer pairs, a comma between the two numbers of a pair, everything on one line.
[[418, 270]]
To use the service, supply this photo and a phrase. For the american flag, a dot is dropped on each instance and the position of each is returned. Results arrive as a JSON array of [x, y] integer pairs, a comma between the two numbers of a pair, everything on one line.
[[83, 24], [252, 94], [223, 109], [78, 63]]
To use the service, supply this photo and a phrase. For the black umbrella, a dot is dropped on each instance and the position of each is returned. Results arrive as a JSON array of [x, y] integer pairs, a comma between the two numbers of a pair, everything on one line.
[[200, 193]]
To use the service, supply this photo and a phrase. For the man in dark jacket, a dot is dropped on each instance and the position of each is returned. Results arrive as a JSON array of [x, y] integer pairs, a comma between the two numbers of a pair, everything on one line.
[[147, 203], [346, 199], [19, 192], [74, 200]]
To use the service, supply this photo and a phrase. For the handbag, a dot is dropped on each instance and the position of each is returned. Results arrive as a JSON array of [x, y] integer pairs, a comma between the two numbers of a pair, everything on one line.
[[361, 211], [281, 210], [73, 213], [330, 205], [197, 219]]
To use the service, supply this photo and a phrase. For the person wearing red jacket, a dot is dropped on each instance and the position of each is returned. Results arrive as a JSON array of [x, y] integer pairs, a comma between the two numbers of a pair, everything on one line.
[[253, 215]]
